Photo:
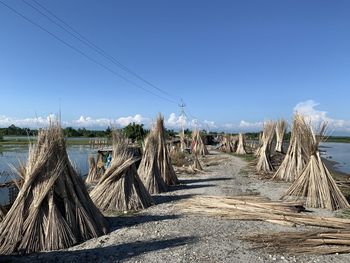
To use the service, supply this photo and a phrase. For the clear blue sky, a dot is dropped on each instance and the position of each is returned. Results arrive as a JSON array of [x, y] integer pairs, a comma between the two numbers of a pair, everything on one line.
[[229, 60]]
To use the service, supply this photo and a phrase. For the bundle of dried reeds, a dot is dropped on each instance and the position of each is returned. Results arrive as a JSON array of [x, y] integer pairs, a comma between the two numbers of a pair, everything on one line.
[[148, 170], [259, 209], [53, 209], [260, 144], [198, 146], [264, 163], [163, 158], [298, 151], [120, 188], [92, 176], [229, 143], [196, 164], [241, 146], [281, 127], [315, 183], [314, 242]]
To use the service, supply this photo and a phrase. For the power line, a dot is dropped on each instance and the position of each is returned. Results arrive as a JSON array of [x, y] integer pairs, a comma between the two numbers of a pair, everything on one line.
[[73, 32], [83, 53]]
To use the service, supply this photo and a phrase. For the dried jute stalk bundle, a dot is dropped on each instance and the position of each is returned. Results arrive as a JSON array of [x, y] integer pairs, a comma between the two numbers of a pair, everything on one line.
[[120, 188], [297, 154], [53, 209], [315, 184], [148, 170], [241, 145], [264, 162]]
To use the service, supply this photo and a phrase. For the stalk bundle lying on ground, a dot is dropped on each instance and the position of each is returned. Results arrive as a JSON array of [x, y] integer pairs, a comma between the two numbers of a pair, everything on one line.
[[297, 154], [92, 176], [120, 188], [264, 163], [281, 127], [259, 209], [148, 170], [315, 183], [314, 242], [241, 146], [53, 209], [198, 146], [163, 158]]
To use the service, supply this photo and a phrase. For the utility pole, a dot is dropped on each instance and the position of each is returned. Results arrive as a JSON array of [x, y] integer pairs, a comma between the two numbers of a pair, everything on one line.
[[182, 106]]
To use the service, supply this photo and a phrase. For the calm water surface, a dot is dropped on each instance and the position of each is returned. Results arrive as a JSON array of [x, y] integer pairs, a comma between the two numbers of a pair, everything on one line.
[[13, 154]]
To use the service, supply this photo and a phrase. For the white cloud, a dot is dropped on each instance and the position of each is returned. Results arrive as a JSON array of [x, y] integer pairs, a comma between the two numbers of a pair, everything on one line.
[[316, 116], [250, 125], [36, 122]]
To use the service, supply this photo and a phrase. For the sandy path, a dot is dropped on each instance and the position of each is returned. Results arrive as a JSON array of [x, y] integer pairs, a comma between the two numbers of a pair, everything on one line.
[[163, 234]]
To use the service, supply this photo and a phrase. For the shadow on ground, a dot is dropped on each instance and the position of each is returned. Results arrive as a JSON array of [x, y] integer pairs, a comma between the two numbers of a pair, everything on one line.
[[161, 199], [118, 222], [188, 186], [102, 254], [193, 181]]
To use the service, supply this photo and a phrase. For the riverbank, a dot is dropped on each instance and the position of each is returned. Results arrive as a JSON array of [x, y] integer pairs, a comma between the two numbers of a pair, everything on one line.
[[163, 233]]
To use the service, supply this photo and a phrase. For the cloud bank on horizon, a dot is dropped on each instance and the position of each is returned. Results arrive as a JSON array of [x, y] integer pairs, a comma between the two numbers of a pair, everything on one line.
[[174, 121]]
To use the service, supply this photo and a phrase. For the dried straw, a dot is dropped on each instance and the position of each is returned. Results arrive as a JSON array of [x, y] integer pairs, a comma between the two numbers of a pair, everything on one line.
[[120, 188], [281, 127], [93, 175], [148, 170], [310, 242], [163, 158], [258, 208], [264, 163], [297, 154], [241, 147], [198, 146], [53, 209], [316, 184], [229, 143]]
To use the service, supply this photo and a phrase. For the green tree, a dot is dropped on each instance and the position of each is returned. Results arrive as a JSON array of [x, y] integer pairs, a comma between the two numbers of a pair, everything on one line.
[[134, 131]]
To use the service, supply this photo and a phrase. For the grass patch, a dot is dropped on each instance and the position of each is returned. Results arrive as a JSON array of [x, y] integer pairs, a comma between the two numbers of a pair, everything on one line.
[[246, 157]]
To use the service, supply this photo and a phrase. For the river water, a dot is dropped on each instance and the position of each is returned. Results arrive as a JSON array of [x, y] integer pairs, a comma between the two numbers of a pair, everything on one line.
[[11, 155]]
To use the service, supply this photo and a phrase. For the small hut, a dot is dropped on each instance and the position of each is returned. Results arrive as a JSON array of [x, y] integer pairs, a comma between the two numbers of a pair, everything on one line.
[[148, 170], [120, 188], [53, 209], [315, 183], [264, 163], [163, 158], [281, 127], [241, 145]]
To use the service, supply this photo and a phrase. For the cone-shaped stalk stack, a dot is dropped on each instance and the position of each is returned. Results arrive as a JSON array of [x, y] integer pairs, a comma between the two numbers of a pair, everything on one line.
[[120, 188], [297, 154], [281, 127], [148, 170], [163, 158], [264, 163], [241, 146], [53, 209], [316, 184], [92, 176], [198, 146]]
